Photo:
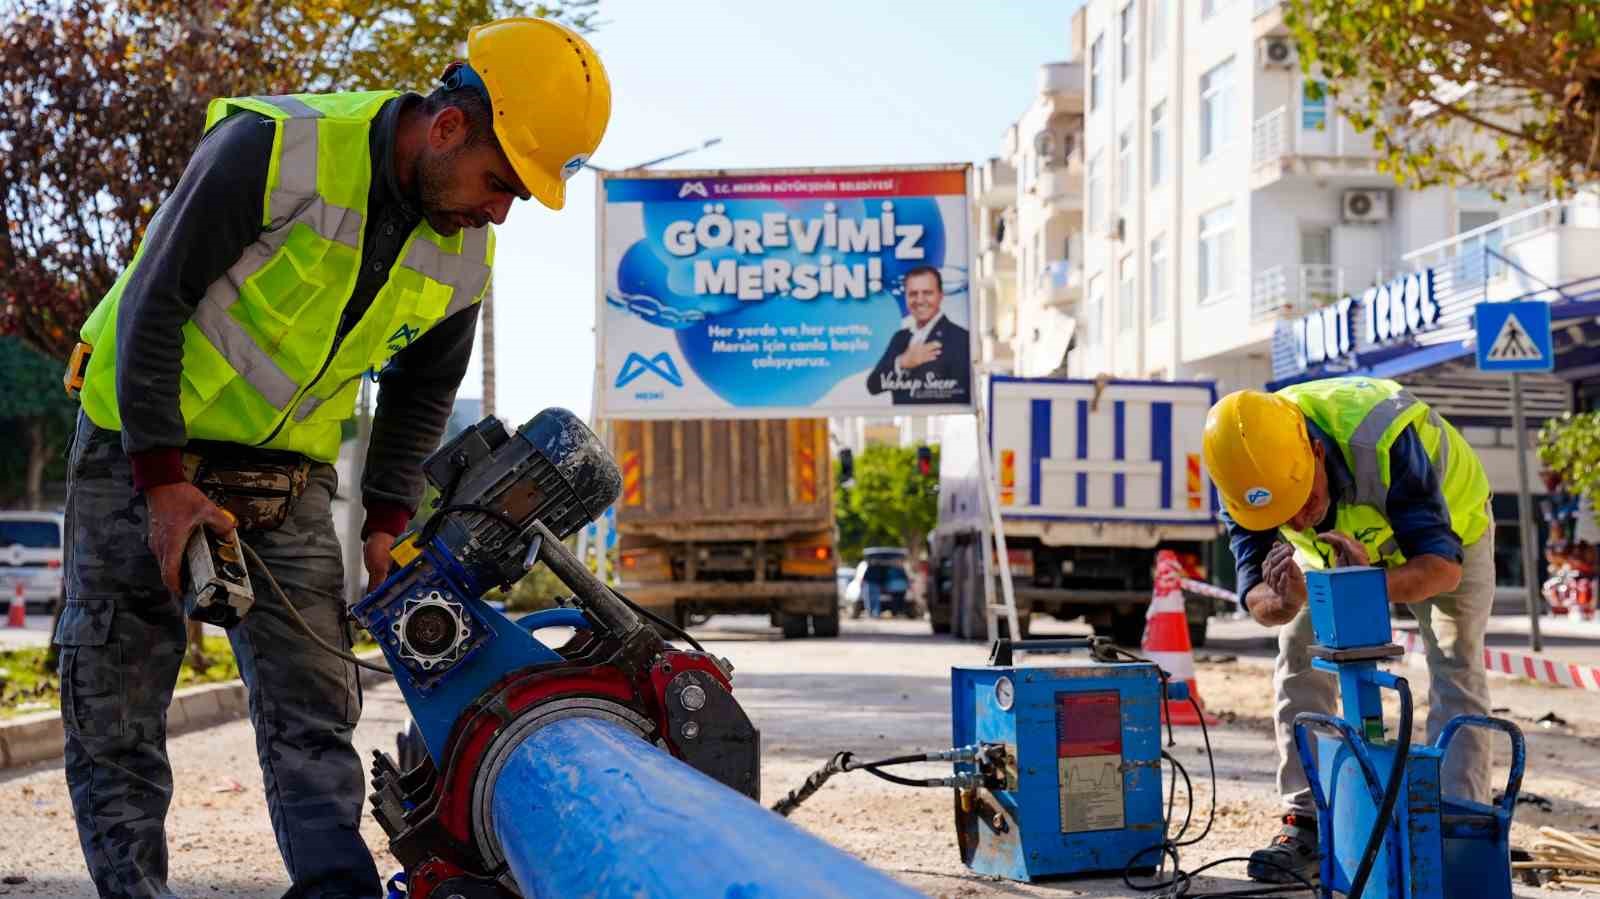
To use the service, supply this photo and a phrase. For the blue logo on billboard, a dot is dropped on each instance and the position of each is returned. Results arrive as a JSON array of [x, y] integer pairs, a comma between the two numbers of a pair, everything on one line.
[[661, 364]]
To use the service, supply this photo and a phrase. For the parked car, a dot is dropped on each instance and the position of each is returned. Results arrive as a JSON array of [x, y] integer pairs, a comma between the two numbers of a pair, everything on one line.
[[30, 552], [883, 568]]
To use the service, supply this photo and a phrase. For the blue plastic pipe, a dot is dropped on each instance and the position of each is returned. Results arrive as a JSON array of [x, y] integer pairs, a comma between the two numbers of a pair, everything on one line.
[[583, 807]]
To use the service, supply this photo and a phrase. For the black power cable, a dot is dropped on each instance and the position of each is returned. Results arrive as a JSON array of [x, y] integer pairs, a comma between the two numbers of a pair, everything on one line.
[[1178, 886], [845, 761]]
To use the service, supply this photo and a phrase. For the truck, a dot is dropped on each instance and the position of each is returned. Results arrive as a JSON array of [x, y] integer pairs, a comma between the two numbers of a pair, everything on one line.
[[721, 516], [1092, 479]]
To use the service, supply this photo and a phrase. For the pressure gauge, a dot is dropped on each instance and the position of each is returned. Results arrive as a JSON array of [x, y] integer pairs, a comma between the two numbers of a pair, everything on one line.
[[1004, 693]]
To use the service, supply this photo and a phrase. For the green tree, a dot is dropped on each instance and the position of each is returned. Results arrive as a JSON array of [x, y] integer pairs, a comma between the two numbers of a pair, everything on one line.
[[1569, 446], [1497, 92], [34, 407], [104, 102], [889, 503]]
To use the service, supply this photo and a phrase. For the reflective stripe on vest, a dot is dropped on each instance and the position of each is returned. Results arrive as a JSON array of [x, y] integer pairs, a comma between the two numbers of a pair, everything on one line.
[[464, 273], [261, 358], [1365, 435], [1364, 457], [297, 180]]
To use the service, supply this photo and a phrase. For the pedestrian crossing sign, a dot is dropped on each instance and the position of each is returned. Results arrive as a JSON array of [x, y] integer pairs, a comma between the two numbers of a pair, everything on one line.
[[1514, 336]]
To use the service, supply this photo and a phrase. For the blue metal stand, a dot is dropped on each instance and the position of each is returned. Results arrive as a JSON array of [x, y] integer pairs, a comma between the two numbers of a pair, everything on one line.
[[1433, 846]]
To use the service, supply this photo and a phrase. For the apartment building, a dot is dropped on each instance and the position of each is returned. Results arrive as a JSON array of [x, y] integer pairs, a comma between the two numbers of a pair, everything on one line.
[[1222, 194]]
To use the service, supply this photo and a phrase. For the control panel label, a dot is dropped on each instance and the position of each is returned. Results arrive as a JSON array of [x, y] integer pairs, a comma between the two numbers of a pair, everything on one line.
[[1089, 761]]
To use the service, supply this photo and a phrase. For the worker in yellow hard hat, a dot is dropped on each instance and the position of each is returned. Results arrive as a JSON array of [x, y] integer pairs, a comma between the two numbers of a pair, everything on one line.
[[314, 239], [1356, 471]]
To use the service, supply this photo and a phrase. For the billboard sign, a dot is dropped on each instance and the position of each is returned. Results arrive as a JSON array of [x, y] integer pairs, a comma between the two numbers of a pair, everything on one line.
[[785, 293]]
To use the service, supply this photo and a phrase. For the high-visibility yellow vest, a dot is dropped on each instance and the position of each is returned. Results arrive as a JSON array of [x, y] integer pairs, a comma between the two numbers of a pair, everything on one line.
[[1365, 416], [261, 365]]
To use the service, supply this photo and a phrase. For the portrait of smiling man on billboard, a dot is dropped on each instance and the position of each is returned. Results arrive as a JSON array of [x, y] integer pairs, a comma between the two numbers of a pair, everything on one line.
[[928, 360]]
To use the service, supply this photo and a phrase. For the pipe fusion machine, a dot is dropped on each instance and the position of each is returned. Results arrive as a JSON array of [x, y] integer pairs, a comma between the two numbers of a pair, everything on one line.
[[614, 765], [1068, 779], [1386, 827]]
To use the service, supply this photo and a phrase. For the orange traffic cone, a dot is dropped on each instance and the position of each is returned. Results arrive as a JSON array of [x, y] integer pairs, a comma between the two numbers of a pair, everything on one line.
[[1166, 639], [18, 614]]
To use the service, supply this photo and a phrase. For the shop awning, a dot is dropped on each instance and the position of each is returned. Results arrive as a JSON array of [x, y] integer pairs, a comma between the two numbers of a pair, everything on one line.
[[1441, 368]]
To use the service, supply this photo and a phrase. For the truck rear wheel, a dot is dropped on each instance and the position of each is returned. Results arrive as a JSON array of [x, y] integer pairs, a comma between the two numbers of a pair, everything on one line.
[[825, 625], [794, 625]]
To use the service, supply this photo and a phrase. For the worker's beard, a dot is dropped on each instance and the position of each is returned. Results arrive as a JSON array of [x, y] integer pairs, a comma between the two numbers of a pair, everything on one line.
[[434, 176]]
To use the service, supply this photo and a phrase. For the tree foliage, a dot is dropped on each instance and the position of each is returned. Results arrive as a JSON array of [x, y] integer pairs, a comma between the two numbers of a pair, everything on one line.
[[888, 504], [1569, 447], [1497, 92], [38, 417], [101, 105]]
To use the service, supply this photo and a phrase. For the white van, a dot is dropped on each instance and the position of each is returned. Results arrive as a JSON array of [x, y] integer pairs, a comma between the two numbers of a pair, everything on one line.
[[30, 552]]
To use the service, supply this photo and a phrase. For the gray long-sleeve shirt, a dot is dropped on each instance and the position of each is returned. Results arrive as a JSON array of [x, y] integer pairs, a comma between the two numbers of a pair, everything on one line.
[[213, 214]]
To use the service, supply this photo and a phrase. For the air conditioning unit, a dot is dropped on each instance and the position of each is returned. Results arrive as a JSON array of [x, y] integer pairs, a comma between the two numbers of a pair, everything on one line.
[[1275, 53], [1364, 206]]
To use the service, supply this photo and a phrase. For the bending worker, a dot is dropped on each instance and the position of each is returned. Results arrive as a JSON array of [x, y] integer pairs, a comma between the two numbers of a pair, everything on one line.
[[1355, 471], [312, 239]]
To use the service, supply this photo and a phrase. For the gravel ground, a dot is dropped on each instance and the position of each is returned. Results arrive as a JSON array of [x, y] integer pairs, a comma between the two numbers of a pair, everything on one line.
[[882, 688]]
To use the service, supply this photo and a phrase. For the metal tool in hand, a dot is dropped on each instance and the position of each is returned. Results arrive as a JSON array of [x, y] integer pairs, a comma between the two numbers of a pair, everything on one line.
[[216, 584]]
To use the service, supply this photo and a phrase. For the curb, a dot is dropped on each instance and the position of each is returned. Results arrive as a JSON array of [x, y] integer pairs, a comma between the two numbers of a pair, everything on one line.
[[38, 737]]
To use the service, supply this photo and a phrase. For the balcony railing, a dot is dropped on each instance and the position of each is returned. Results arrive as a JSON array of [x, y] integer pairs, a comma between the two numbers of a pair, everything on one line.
[[1060, 282], [1290, 290], [997, 183], [1465, 254], [1269, 137]]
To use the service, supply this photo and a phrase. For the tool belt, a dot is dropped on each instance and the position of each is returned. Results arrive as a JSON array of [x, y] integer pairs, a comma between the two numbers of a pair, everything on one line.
[[258, 487]]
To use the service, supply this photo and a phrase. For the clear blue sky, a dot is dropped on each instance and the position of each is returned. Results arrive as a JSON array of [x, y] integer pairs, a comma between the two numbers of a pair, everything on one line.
[[825, 82]]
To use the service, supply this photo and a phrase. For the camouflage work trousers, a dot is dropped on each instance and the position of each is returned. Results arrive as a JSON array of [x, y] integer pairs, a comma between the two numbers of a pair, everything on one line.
[[122, 641]]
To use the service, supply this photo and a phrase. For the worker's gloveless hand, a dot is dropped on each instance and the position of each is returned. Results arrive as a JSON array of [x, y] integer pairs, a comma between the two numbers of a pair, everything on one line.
[[1282, 574], [175, 511], [376, 557], [1348, 551]]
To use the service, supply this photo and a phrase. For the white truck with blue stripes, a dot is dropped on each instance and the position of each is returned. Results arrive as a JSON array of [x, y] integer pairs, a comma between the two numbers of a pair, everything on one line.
[[1092, 478]]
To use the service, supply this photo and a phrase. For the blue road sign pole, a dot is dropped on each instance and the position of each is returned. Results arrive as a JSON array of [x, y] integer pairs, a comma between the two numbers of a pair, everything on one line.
[[1530, 534], [1515, 337]]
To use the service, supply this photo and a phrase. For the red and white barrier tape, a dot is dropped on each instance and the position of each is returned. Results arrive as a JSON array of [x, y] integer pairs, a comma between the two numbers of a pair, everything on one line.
[[1520, 664], [1204, 589]]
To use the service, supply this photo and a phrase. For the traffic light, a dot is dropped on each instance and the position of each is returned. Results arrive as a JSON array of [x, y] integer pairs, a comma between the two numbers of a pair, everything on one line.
[[924, 461]]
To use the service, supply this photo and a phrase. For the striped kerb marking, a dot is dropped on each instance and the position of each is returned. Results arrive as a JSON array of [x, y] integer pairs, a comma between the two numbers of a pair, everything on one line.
[[632, 492]]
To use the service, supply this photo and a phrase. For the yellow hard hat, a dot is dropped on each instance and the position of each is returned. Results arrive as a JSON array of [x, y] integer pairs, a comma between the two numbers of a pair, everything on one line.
[[1259, 456], [550, 96]]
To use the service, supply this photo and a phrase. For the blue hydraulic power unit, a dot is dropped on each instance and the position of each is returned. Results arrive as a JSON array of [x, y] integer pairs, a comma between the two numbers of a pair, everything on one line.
[[1078, 787], [1433, 846]]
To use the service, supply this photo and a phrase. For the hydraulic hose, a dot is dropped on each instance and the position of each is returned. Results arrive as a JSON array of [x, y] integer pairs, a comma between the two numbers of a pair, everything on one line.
[[1391, 792]]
